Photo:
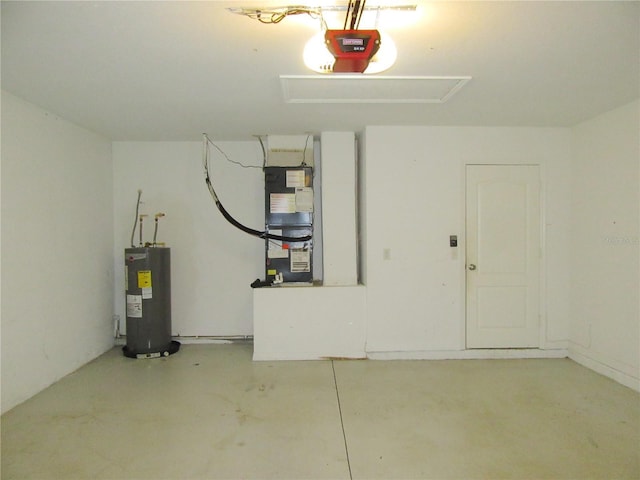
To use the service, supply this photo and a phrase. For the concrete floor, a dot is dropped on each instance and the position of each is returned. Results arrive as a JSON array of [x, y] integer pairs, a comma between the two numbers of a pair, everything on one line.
[[210, 412]]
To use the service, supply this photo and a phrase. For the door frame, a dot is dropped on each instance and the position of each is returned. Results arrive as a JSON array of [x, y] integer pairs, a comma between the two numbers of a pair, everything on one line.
[[462, 245]]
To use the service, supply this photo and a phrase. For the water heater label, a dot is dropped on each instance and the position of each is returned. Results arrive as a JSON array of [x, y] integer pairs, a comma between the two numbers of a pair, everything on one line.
[[144, 279], [134, 306]]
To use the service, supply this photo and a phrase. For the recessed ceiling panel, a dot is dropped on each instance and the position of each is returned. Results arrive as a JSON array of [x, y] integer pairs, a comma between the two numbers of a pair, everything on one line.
[[364, 89]]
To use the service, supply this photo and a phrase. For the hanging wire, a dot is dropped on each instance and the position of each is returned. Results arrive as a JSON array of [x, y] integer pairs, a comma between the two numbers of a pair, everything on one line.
[[276, 15], [256, 233], [304, 151], [264, 151], [227, 156]]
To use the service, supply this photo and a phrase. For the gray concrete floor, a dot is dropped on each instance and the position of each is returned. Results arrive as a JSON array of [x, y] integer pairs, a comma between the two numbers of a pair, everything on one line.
[[209, 412]]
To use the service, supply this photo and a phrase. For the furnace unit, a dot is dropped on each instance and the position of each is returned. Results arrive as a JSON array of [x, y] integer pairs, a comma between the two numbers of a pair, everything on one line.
[[289, 213]]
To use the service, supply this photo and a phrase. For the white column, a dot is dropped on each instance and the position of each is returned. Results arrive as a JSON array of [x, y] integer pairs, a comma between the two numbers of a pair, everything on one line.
[[338, 159]]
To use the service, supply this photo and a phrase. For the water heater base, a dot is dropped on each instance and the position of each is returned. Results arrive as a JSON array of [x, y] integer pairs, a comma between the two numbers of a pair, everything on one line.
[[170, 349]]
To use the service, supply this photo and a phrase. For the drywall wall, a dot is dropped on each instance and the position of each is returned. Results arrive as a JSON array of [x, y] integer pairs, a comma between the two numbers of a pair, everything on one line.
[[413, 190], [212, 262], [309, 323], [339, 206], [605, 253], [57, 248]]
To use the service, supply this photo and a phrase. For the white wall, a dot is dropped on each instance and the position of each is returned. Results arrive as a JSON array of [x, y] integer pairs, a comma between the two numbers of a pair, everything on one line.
[[339, 233], [213, 263], [57, 273], [605, 232], [309, 322], [413, 190]]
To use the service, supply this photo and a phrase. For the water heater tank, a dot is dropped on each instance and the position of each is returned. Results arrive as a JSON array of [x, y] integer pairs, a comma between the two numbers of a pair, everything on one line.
[[148, 295]]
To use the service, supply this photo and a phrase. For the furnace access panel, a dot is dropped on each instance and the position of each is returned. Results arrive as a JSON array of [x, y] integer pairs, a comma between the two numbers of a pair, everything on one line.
[[289, 212]]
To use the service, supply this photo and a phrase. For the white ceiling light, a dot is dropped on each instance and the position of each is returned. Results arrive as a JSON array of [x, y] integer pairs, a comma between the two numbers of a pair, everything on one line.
[[317, 57]]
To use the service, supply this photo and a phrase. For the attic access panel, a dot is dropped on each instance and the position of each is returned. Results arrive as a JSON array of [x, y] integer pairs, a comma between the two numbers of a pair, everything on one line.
[[363, 89]]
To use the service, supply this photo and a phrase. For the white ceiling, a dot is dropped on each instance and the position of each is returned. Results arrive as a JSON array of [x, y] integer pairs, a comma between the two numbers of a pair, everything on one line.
[[171, 70]]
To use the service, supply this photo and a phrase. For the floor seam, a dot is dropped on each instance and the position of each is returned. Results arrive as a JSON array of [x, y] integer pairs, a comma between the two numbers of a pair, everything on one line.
[[344, 435]]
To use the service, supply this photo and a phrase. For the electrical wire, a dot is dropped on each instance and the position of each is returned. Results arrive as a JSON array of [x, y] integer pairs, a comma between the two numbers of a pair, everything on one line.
[[229, 159], [276, 15], [304, 151], [264, 151], [256, 233], [135, 220]]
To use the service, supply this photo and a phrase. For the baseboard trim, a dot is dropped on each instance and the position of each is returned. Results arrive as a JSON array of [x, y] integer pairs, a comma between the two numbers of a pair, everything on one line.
[[199, 340], [473, 354], [262, 356], [603, 369]]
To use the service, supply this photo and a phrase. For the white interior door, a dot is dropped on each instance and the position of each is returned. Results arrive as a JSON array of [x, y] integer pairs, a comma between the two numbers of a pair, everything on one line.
[[503, 256]]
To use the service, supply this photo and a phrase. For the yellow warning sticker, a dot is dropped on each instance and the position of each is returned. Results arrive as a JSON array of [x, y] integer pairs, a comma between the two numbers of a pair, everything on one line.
[[271, 272], [144, 279]]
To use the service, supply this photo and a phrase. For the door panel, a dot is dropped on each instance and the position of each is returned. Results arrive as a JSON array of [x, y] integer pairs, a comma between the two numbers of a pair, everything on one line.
[[503, 256]]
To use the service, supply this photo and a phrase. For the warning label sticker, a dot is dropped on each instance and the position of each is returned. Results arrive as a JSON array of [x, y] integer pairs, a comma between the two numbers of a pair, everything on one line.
[[134, 306], [144, 279], [295, 178], [300, 261], [282, 203], [304, 199]]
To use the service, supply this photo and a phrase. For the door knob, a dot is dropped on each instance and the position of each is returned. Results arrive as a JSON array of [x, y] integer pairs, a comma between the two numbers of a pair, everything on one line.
[[472, 267]]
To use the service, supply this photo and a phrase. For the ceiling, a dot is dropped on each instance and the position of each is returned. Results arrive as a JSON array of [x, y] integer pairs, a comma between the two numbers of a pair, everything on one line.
[[171, 70]]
